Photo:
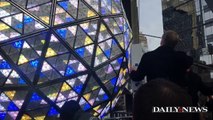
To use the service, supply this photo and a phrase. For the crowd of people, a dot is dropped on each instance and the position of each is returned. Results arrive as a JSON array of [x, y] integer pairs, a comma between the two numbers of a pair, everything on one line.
[[170, 83]]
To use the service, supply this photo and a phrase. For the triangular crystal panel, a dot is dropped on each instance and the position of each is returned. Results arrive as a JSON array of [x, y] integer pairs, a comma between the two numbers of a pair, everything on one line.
[[47, 73], [62, 16], [6, 32], [94, 4], [7, 9], [100, 57], [45, 15], [77, 83], [68, 34], [33, 3], [84, 11], [86, 53], [103, 33]]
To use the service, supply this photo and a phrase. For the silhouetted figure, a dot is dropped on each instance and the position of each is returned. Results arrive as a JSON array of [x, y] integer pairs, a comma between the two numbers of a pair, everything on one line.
[[164, 62], [161, 93], [195, 84], [71, 110]]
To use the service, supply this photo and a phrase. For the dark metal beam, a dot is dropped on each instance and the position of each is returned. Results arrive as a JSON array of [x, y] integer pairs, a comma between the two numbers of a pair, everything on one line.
[[135, 22]]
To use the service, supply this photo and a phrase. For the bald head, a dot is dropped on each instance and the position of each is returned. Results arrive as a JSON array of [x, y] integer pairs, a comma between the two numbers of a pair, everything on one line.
[[170, 38], [161, 93]]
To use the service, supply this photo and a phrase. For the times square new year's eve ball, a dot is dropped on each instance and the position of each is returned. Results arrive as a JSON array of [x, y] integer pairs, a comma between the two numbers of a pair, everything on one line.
[[52, 51]]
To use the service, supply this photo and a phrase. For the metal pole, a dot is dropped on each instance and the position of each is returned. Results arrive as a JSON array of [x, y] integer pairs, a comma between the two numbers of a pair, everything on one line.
[[136, 46], [202, 26], [135, 22]]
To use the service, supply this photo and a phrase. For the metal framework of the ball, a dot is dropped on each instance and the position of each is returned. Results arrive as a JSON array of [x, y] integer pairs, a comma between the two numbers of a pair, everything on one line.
[[52, 51]]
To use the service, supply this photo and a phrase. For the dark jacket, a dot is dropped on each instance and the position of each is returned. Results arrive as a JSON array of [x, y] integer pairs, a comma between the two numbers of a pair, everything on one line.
[[165, 63]]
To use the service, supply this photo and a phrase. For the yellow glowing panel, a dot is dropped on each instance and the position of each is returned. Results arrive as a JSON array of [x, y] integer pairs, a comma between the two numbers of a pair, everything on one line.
[[103, 28], [96, 108], [113, 11], [105, 81], [3, 27], [52, 96], [40, 82], [120, 92], [123, 81], [125, 71], [131, 35], [98, 52], [90, 13], [65, 87], [3, 4], [121, 71], [26, 117], [65, 61], [122, 44], [22, 59], [95, 87], [10, 94], [40, 118], [50, 52], [56, 23], [87, 96], [95, 114], [46, 19], [88, 41], [43, 41], [114, 24]]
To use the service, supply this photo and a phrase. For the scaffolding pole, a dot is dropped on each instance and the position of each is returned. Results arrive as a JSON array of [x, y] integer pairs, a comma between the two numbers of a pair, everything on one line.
[[135, 21]]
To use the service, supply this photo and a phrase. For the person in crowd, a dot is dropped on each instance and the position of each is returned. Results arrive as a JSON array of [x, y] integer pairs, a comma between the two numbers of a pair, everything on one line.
[[195, 85], [71, 110], [160, 93], [164, 62]]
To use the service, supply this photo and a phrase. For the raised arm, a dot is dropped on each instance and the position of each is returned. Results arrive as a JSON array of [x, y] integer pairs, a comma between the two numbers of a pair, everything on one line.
[[140, 73]]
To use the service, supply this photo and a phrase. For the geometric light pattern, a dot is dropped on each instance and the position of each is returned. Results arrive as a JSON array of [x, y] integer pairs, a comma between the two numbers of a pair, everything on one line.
[[52, 51]]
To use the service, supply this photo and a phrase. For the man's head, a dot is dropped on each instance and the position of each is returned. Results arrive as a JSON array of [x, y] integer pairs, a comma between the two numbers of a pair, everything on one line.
[[160, 93], [170, 38], [69, 109]]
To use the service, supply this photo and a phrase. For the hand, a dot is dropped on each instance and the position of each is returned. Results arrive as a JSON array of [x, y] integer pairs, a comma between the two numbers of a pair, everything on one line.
[[209, 98], [132, 68]]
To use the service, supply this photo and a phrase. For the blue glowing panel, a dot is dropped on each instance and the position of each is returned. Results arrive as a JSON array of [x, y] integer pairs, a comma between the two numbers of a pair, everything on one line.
[[18, 44], [53, 112], [35, 97], [69, 71], [4, 65]]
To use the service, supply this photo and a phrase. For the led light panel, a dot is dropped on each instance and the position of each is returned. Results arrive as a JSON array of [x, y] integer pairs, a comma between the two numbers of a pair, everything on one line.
[[53, 51]]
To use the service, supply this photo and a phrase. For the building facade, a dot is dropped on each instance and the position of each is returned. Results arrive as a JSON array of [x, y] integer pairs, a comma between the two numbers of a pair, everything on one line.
[[193, 20], [143, 41], [206, 16]]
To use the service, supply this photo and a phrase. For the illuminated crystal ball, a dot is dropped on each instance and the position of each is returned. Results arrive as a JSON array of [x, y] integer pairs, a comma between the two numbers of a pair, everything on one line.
[[53, 51]]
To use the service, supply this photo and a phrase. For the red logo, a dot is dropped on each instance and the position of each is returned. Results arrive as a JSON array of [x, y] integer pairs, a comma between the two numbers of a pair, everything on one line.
[[180, 109]]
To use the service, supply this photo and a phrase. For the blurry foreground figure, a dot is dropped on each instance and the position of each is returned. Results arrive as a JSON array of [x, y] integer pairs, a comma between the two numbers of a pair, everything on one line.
[[71, 110], [160, 93], [195, 85]]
